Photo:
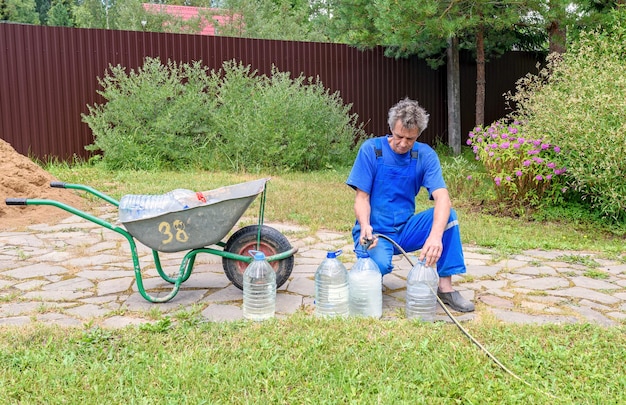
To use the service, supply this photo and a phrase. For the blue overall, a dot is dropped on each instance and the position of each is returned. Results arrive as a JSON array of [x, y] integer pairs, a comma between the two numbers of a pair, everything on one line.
[[392, 182]]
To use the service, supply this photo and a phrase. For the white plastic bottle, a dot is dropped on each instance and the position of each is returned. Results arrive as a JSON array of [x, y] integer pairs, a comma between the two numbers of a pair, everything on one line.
[[421, 292], [140, 206], [331, 287], [365, 281], [259, 289]]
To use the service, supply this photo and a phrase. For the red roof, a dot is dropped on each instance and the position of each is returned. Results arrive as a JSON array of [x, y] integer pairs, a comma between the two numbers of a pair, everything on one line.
[[186, 13]]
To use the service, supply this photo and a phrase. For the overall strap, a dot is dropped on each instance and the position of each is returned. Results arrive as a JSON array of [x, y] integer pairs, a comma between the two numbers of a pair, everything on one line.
[[379, 150]]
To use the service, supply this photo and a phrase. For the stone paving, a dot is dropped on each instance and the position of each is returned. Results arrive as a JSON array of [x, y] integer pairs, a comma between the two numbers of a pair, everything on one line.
[[77, 273]]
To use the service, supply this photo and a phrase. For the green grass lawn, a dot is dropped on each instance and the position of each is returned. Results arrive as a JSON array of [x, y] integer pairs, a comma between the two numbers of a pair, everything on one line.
[[181, 359], [307, 360]]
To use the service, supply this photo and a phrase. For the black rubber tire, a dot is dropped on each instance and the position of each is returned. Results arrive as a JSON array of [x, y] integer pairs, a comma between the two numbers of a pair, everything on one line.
[[244, 240]]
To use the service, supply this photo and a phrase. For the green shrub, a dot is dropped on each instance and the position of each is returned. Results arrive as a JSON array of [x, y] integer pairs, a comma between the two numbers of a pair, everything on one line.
[[180, 116], [579, 102], [154, 117]]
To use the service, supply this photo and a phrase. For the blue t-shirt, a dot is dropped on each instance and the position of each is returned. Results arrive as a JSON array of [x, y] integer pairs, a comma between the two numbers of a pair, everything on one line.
[[427, 172]]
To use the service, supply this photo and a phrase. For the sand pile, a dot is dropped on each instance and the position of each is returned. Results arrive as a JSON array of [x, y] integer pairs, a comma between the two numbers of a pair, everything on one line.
[[21, 178]]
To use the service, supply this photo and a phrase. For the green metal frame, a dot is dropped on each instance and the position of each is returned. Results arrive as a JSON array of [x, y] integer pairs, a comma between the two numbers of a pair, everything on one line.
[[188, 261]]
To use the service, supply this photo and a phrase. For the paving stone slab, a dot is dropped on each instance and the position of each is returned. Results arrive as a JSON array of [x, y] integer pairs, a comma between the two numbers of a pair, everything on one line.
[[495, 301], [522, 318], [88, 311], [114, 286], [594, 284], [579, 292], [220, 312], [543, 283], [118, 322], [35, 270]]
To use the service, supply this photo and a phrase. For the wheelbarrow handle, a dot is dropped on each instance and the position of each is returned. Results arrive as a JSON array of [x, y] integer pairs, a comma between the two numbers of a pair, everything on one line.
[[57, 184], [15, 201]]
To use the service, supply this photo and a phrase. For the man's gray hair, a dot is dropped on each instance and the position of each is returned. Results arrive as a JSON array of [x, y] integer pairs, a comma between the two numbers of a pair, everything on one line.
[[410, 114]]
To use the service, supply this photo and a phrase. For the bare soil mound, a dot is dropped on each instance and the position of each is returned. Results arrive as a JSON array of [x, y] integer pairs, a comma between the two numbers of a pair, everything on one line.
[[20, 177]]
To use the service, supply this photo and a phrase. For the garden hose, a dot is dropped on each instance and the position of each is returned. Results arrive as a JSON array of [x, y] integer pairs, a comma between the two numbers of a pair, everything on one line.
[[458, 324]]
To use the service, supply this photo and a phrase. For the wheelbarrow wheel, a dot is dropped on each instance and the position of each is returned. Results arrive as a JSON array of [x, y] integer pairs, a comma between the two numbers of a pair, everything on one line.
[[244, 240]]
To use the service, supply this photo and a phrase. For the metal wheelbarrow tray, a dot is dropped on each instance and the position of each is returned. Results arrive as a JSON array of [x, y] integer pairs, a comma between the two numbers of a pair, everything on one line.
[[195, 229]]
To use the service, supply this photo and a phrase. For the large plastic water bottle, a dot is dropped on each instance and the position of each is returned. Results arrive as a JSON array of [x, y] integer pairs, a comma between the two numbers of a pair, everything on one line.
[[139, 206], [365, 282], [259, 289], [331, 287], [421, 290]]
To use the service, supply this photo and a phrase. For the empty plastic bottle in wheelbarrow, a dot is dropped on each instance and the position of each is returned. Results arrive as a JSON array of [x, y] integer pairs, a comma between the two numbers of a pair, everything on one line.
[[140, 206]]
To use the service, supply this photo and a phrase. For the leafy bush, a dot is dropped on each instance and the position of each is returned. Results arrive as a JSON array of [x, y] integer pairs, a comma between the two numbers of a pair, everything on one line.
[[155, 117], [523, 170], [579, 103], [179, 116]]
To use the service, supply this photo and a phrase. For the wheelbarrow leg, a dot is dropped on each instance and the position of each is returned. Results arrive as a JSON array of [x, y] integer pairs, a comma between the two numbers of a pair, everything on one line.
[[139, 278], [187, 265]]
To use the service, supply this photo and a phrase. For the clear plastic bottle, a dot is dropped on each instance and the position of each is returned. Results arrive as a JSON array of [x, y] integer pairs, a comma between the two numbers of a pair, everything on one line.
[[421, 292], [365, 281], [331, 287], [139, 206], [259, 289]]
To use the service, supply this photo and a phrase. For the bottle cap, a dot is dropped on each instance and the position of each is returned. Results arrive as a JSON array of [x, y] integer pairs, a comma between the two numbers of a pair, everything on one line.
[[257, 254], [332, 255]]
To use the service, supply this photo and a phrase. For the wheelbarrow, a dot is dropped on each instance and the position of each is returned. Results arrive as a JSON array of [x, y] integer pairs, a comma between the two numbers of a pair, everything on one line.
[[200, 229]]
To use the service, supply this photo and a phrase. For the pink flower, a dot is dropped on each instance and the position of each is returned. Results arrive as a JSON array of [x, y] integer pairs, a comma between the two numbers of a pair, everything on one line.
[[557, 149], [538, 177], [548, 176], [527, 163], [508, 178], [537, 142], [497, 180], [551, 165], [469, 177], [519, 173], [544, 146], [512, 130], [469, 142], [521, 140], [491, 154], [504, 136], [505, 145], [516, 145], [471, 135], [533, 152]]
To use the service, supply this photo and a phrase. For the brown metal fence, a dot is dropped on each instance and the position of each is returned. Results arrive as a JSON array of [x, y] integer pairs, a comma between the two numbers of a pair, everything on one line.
[[48, 76]]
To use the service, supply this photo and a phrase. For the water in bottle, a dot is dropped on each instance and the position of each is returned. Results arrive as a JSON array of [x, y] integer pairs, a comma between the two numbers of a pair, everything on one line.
[[421, 292], [365, 282], [331, 287], [259, 289]]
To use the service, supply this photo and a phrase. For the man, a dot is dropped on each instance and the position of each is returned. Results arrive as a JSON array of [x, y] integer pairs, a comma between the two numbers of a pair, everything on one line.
[[387, 175]]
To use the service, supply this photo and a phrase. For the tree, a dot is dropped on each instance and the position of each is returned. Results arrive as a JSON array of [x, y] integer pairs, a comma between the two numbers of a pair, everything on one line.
[[60, 14], [427, 28], [272, 19], [20, 11]]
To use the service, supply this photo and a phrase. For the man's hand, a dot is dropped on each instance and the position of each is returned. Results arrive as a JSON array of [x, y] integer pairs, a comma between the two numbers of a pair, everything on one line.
[[367, 239], [431, 251]]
